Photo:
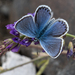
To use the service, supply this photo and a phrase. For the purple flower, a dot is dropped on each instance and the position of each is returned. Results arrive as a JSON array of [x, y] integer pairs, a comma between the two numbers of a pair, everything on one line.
[[10, 26], [16, 48], [16, 39], [37, 42], [9, 46], [7, 41], [15, 22], [26, 42], [31, 14], [32, 39], [14, 32], [43, 50], [2, 47], [69, 53], [70, 50]]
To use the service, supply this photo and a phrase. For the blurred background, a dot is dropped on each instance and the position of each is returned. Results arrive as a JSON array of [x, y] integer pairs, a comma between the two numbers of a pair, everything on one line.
[[12, 10]]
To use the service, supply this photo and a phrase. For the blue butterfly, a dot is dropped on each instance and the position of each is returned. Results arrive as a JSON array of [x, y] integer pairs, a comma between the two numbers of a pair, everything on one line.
[[45, 29]]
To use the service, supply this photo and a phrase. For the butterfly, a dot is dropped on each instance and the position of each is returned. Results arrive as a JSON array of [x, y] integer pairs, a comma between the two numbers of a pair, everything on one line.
[[47, 30]]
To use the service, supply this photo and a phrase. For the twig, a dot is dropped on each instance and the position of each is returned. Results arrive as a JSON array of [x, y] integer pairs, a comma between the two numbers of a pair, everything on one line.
[[39, 47], [34, 46], [45, 54], [24, 64], [41, 53]]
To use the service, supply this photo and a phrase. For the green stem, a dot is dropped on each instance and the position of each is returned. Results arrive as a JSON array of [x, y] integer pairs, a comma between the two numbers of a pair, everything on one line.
[[43, 67], [70, 35], [22, 36]]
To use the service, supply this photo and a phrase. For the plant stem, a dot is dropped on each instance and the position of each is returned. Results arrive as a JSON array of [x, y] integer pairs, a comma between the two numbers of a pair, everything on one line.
[[70, 35], [22, 36], [43, 67], [24, 64]]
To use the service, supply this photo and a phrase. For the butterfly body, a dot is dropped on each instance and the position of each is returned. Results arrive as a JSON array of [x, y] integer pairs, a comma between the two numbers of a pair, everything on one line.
[[39, 35], [44, 28]]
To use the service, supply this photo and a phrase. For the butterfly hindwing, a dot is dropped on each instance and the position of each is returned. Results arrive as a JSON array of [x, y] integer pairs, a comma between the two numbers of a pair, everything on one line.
[[58, 28], [26, 26], [52, 46], [42, 15]]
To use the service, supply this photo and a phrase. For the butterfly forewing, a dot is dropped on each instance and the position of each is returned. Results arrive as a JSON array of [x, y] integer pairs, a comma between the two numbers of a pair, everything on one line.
[[42, 15], [26, 26]]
